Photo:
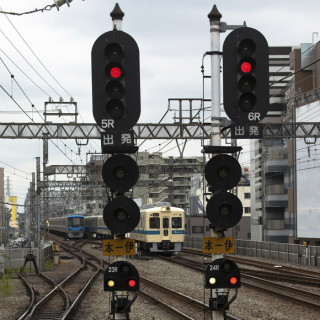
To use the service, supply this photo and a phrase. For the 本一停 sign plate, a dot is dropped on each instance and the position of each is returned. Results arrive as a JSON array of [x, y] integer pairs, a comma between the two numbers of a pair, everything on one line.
[[218, 245], [123, 247]]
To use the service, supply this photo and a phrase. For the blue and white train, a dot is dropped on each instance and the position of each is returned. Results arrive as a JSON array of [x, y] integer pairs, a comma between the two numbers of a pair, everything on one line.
[[96, 228], [71, 226]]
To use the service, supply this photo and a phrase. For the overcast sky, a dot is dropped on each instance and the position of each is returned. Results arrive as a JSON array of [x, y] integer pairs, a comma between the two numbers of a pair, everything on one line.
[[172, 37]]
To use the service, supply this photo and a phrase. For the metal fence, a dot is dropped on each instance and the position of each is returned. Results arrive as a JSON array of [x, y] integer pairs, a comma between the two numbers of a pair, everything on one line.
[[285, 252], [14, 258]]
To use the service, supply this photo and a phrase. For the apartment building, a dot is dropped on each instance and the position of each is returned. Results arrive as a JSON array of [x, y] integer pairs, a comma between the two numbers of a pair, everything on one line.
[[294, 83]]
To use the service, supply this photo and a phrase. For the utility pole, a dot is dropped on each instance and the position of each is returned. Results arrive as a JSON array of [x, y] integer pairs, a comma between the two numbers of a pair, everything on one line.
[[38, 211]]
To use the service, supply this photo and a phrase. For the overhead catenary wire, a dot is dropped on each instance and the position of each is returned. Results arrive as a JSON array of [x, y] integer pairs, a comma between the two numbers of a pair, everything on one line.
[[59, 3], [14, 167], [33, 121], [38, 59], [46, 93], [30, 65], [14, 79], [48, 7]]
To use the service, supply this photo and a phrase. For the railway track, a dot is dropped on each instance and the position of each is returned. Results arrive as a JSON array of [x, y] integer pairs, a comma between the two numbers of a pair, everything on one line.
[[270, 270], [303, 297], [192, 306], [169, 300], [59, 301]]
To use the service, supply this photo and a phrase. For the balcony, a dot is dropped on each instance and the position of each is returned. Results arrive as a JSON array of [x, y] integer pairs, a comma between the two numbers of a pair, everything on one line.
[[279, 165], [275, 224], [278, 200], [275, 189]]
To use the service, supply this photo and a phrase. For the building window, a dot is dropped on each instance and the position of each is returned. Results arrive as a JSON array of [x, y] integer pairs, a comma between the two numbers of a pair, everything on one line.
[[247, 195], [197, 229], [247, 210]]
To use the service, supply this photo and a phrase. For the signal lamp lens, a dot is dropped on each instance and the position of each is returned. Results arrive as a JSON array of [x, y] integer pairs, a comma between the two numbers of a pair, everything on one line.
[[247, 102], [114, 52], [115, 89], [125, 268], [246, 47], [225, 209], [121, 214], [120, 172], [212, 280], [245, 67], [115, 109], [223, 172], [110, 283], [233, 280], [227, 266], [247, 83], [115, 72], [132, 283]]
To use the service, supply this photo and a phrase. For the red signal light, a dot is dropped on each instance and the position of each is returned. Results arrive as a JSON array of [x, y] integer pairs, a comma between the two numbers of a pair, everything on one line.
[[233, 280], [245, 67], [132, 283], [115, 72]]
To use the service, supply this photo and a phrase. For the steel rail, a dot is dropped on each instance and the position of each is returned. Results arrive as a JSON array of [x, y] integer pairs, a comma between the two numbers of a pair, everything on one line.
[[84, 290], [54, 290], [288, 291], [31, 294]]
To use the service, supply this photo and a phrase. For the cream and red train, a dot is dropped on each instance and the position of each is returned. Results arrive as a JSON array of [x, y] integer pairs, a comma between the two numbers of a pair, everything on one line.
[[161, 228]]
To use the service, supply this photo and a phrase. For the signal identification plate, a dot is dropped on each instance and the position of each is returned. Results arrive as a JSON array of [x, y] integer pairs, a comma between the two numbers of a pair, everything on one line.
[[123, 247], [218, 245]]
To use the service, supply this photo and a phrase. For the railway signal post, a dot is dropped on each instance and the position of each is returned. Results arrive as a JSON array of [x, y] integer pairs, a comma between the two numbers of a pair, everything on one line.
[[246, 101], [246, 76], [116, 109]]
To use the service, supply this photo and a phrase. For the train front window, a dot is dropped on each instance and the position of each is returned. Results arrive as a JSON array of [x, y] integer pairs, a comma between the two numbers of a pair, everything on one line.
[[75, 221], [176, 222], [165, 222], [154, 223]]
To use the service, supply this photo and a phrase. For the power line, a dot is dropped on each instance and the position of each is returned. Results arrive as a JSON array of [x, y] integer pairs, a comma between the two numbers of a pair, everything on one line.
[[47, 94], [37, 57], [30, 65], [48, 7]]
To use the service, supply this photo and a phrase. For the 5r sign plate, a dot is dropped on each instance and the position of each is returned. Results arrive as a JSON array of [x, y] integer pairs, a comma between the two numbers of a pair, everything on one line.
[[124, 247], [218, 245]]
